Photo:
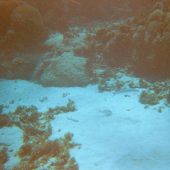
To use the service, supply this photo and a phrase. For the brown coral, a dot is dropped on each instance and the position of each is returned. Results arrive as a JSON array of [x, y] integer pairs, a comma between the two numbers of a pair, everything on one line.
[[51, 148], [3, 156], [25, 150], [4, 121]]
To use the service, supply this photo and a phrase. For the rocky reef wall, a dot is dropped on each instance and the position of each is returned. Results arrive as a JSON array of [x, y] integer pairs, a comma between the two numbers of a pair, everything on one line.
[[129, 34]]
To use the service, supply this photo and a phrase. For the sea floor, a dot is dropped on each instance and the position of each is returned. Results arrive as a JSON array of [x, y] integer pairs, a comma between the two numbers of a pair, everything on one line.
[[114, 130]]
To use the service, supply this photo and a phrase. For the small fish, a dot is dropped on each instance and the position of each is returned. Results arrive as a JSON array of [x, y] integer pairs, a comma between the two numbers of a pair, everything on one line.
[[74, 120], [125, 91], [106, 112]]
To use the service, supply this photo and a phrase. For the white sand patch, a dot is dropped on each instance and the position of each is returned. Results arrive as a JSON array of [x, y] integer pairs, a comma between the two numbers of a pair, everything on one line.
[[114, 130], [19, 92]]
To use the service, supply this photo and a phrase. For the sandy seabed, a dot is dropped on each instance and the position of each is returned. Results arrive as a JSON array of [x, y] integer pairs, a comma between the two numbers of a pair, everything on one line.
[[115, 131]]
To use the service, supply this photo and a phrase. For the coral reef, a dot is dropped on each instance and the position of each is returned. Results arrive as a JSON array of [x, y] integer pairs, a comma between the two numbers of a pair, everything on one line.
[[139, 43], [3, 157], [37, 151], [118, 80], [22, 28], [6, 7], [28, 26], [36, 155], [4, 121], [56, 19], [154, 92]]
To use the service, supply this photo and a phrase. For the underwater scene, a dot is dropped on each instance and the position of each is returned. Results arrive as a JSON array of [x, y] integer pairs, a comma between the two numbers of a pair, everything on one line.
[[84, 85]]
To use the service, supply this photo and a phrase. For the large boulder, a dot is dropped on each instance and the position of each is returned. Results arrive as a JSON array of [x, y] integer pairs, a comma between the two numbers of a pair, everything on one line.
[[65, 70]]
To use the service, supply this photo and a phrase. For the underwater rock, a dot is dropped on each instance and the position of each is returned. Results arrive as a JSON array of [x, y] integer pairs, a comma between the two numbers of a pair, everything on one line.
[[65, 70]]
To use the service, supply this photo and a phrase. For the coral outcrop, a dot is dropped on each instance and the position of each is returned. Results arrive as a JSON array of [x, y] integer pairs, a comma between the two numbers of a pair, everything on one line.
[[140, 43], [21, 27], [54, 13]]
